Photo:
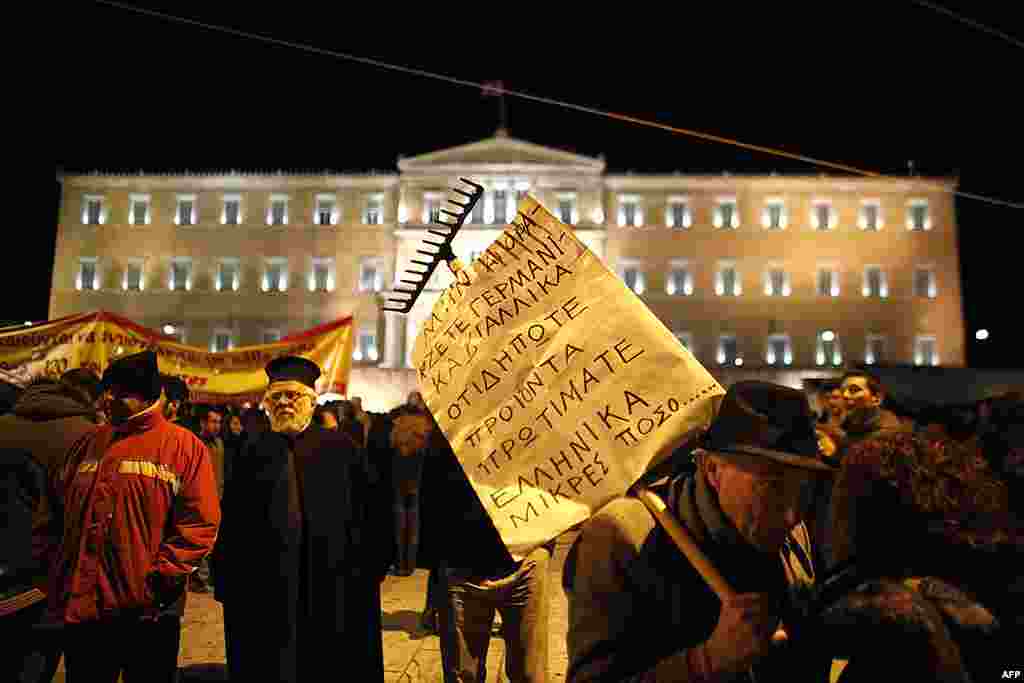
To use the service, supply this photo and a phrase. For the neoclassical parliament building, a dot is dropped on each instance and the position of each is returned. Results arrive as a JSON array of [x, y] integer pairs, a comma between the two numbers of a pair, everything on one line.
[[780, 277]]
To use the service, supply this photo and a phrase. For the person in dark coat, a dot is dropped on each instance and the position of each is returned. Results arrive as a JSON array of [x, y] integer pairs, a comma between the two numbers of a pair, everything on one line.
[[305, 544], [49, 418]]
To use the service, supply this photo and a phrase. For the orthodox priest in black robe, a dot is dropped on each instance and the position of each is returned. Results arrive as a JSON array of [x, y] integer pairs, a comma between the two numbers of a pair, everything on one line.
[[304, 545]]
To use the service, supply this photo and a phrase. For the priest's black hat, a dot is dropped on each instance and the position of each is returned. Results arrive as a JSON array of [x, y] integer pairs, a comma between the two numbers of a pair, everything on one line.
[[137, 374], [294, 369]]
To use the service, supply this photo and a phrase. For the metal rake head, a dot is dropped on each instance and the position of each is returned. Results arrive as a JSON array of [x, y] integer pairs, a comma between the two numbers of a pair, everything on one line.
[[418, 278]]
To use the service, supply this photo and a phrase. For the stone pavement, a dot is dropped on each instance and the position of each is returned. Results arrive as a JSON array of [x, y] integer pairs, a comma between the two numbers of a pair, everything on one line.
[[410, 655]]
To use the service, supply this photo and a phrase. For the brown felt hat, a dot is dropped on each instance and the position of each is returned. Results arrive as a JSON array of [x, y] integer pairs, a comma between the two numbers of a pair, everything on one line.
[[766, 421]]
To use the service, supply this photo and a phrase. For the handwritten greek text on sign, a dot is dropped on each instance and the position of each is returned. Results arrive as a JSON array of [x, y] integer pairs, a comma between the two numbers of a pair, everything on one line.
[[556, 386]]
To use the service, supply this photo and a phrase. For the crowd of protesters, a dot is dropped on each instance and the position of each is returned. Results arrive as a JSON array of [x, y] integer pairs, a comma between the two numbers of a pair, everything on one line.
[[911, 494]]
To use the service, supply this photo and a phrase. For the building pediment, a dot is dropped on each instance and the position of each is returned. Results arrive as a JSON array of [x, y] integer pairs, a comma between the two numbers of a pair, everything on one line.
[[501, 153]]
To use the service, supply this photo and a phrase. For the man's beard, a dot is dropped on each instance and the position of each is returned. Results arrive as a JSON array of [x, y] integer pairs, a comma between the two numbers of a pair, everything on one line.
[[291, 423]]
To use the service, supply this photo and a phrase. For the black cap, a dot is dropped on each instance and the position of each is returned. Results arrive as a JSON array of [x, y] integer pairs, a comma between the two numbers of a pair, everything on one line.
[[295, 369], [175, 388], [137, 373]]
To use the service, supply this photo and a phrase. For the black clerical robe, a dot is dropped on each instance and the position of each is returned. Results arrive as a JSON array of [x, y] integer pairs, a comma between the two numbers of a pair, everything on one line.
[[305, 543]]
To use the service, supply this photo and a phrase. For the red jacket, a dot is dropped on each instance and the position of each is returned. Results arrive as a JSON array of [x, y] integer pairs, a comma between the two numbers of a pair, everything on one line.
[[139, 499]]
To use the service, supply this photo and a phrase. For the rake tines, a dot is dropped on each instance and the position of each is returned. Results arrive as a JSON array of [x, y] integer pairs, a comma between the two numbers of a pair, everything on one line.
[[418, 278]]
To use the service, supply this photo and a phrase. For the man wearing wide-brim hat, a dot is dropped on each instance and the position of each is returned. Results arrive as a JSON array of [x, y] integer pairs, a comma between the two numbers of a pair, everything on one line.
[[638, 610], [140, 512], [305, 545]]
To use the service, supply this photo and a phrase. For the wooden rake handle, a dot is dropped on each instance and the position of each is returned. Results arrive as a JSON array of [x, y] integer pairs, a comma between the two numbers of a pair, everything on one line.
[[684, 541]]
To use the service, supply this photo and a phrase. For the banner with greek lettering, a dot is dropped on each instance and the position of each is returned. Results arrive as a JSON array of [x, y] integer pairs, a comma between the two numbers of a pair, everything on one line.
[[93, 340], [555, 385]]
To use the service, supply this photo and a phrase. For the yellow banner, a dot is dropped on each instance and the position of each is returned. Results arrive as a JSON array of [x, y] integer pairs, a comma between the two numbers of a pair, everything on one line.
[[555, 384], [93, 340]]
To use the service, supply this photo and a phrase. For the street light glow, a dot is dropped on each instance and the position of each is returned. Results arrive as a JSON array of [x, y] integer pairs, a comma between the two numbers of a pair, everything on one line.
[[828, 335], [168, 329], [981, 335]]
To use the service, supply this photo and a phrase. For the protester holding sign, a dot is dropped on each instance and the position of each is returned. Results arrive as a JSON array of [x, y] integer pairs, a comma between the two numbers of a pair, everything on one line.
[[547, 376], [638, 610]]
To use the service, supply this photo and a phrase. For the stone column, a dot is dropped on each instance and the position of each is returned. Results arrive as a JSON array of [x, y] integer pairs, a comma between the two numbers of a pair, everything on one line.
[[394, 336]]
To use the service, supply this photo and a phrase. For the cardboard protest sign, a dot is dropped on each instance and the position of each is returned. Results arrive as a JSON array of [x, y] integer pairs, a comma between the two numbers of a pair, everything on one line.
[[93, 340], [555, 385]]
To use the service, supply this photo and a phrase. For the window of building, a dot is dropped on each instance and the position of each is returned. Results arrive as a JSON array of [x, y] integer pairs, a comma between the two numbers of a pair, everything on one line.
[[231, 211], [222, 340], [326, 210], [277, 212], [677, 213], [828, 352], [727, 215], [138, 209], [728, 350], [133, 275], [680, 279], [870, 218], [271, 335], [275, 274], [374, 213], [776, 281], [727, 279], [321, 278], [779, 351], [918, 217], [874, 352], [686, 339], [630, 213], [632, 274], [371, 274], [823, 215], [828, 280], [228, 274], [432, 207], [94, 210], [774, 216], [366, 347], [568, 212], [925, 350], [875, 283], [87, 278], [185, 211], [181, 274], [522, 188], [924, 282]]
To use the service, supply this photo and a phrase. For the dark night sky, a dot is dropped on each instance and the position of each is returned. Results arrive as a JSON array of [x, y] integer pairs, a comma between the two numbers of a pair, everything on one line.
[[869, 84]]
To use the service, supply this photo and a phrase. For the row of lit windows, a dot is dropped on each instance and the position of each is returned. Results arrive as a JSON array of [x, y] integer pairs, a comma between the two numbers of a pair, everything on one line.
[[499, 207], [95, 210], [775, 215], [365, 348], [775, 280], [276, 276], [778, 349]]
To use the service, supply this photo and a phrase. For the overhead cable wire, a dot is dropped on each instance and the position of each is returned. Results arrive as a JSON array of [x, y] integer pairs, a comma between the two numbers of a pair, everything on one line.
[[970, 22], [535, 98]]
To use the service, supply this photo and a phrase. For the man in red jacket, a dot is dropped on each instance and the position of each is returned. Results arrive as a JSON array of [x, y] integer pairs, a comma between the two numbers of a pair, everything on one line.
[[140, 513]]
